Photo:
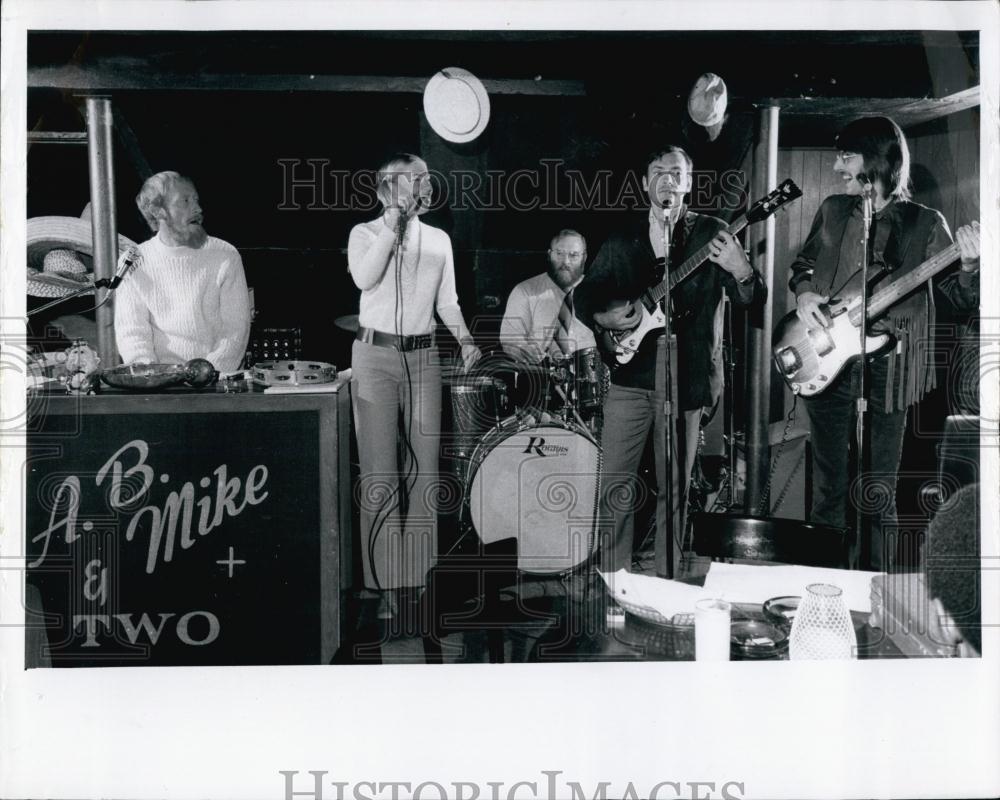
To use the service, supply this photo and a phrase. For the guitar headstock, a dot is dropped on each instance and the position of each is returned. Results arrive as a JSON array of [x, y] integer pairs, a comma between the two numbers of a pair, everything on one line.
[[766, 206]]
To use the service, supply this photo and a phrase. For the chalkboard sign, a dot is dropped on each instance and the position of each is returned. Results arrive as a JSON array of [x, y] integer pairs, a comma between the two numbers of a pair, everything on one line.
[[183, 530]]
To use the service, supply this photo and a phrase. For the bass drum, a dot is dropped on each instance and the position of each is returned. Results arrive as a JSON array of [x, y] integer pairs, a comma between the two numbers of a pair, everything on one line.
[[539, 484]]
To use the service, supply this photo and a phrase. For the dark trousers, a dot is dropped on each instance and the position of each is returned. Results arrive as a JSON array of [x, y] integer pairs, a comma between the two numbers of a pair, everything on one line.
[[832, 416], [629, 416]]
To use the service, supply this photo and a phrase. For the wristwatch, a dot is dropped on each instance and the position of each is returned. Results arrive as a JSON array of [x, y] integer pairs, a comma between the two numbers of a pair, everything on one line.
[[748, 279]]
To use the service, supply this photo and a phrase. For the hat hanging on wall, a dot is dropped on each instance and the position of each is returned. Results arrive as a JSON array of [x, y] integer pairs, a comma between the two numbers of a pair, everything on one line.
[[708, 99], [59, 254], [456, 105]]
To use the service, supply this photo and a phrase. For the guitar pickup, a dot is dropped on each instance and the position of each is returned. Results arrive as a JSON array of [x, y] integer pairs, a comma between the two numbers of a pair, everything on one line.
[[788, 361], [821, 340]]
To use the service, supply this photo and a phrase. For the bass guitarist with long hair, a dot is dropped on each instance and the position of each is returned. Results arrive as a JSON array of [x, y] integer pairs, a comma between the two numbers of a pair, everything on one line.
[[872, 158]]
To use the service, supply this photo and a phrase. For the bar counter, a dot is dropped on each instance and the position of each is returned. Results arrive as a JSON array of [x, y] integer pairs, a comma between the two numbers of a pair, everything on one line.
[[187, 527]]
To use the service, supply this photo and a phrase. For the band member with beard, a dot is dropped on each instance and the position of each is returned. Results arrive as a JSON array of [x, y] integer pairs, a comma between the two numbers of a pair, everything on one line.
[[528, 332], [629, 263], [873, 153], [405, 271], [186, 296]]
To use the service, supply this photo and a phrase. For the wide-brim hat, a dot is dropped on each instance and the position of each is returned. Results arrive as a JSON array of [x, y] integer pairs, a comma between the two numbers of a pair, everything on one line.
[[456, 105], [61, 276], [708, 99]]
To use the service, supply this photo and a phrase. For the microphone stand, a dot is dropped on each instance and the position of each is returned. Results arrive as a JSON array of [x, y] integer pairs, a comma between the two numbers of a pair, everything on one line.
[[729, 399], [90, 287], [668, 404], [860, 519]]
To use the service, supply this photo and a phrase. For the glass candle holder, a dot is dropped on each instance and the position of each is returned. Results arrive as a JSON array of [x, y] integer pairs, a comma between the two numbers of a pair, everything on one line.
[[822, 628], [711, 630]]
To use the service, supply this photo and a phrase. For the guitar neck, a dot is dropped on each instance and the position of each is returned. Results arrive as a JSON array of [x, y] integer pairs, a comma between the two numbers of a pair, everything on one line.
[[884, 298], [699, 257]]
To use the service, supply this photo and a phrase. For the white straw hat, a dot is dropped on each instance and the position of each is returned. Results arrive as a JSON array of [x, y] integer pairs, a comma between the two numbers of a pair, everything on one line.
[[708, 99], [59, 252], [456, 105]]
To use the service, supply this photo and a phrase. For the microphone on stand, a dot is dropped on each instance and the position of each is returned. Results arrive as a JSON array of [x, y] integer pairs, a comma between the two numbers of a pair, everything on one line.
[[867, 196], [668, 205], [131, 258]]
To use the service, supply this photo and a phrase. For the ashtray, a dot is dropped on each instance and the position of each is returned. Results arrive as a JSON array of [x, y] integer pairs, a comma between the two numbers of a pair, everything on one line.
[[781, 610], [750, 638]]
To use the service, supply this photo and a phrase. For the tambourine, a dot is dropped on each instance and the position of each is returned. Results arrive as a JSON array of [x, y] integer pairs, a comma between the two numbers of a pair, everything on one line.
[[292, 373]]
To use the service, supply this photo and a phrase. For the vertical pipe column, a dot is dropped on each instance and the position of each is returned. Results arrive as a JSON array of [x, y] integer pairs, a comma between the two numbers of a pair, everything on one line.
[[100, 124], [764, 179]]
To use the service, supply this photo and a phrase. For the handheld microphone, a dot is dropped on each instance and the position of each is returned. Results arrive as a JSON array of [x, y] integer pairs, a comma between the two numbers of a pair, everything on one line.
[[132, 257], [406, 212]]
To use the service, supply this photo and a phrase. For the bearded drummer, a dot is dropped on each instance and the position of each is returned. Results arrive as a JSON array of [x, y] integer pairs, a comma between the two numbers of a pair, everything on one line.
[[531, 330], [540, 326]]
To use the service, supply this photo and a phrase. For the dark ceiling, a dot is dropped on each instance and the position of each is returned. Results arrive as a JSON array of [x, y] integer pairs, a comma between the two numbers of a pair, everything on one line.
[[625, 64]]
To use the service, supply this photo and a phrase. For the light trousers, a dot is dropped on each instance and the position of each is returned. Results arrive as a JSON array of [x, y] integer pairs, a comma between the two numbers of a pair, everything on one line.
[[398, 487]]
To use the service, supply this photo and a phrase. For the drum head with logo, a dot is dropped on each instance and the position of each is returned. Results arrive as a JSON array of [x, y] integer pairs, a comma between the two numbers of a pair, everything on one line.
[[539, 485]]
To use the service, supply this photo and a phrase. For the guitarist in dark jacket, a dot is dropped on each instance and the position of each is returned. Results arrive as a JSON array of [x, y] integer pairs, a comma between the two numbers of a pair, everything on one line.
[[873, 156], [628, 264]]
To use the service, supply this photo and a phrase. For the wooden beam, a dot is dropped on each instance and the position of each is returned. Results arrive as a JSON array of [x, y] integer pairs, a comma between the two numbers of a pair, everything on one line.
[[907, 111], [57, 137], [104, 79]]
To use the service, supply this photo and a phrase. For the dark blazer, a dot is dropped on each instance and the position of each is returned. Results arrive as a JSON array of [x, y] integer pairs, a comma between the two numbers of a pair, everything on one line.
[[626, 266]]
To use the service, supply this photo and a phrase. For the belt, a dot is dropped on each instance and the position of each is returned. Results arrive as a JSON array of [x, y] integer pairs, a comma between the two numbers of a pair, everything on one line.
[[402, 343]]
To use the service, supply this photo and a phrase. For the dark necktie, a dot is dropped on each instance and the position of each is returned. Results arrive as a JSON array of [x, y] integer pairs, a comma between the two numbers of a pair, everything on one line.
[[564, 329]]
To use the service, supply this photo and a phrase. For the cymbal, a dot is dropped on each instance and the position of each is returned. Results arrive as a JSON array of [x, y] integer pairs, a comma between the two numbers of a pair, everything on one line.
[[348, 322]]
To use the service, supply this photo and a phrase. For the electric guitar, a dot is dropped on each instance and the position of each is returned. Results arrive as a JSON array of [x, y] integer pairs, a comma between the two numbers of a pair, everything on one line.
[[623, 344], [808, 358]]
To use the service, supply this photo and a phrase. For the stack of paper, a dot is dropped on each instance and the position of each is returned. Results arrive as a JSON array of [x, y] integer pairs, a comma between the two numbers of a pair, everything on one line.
[[750, 583]]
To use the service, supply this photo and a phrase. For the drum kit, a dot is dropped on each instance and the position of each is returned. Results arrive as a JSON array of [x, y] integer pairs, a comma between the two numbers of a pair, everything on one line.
[[525, 448]]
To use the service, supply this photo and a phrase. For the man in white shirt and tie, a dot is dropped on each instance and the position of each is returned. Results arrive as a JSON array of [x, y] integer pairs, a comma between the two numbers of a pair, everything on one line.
[[531, 327]]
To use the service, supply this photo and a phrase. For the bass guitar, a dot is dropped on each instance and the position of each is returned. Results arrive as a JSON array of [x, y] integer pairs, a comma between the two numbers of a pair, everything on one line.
[[623, 344], [808, 357]]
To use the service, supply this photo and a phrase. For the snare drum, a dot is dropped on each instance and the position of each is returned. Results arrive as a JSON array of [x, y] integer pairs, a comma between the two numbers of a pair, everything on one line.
[[539, 484]]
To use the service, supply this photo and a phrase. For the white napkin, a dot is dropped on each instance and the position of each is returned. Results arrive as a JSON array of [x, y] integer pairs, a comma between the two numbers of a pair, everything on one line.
[[664, 596], [752, 583]]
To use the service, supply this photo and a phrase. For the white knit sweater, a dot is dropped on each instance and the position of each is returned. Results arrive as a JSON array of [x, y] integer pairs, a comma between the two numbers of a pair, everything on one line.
[[179, 303]]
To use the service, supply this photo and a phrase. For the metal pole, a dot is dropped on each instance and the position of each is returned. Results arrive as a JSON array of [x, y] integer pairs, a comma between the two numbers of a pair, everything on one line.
[[100, 124], [765, 178]]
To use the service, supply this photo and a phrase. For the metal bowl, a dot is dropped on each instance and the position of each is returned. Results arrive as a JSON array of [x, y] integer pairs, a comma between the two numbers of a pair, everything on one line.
[[144, 376]]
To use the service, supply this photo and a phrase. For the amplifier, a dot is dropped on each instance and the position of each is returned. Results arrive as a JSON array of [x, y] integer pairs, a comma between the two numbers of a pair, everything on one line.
[[273, 344]]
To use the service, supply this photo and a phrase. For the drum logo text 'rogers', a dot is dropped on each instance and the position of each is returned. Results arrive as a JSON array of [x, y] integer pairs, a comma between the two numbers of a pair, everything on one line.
[[537, 445]]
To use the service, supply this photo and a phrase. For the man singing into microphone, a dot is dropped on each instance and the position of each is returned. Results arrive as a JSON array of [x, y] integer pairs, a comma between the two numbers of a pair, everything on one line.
[[405, 271], [628, 264], [186, 295]]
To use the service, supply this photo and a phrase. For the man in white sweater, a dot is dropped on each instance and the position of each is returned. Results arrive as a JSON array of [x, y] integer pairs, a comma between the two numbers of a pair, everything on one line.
[[186, 297]]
